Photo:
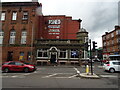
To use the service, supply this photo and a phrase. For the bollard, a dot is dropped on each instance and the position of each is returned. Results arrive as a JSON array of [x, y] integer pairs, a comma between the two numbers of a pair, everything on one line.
[[87, 69]]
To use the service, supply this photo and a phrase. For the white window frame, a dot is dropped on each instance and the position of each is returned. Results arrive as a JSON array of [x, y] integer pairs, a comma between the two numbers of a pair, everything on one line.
[[12, 37], [25, 15], [14, 15], [23, 37], [112, 34], [1, 37], [42, 50], [66, 54], [3, 14]]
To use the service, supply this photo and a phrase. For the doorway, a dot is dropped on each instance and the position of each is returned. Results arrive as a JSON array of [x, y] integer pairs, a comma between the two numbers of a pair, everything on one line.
[[53, 58], [10, 56]]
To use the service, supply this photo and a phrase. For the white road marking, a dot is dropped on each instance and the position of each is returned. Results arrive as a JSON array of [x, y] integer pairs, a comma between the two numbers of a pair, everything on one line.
[[78, 72], [72, 76], [14, 76], [108, 76], [27, 74], [49, 75]]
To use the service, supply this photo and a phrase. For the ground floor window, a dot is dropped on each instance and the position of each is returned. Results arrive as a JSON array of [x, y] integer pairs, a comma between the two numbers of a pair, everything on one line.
[[21, 57], [42, 53], [63, 53], [29, 56], [74, 53]]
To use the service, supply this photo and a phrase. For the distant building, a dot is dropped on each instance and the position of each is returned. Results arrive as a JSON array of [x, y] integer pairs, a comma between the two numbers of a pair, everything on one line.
[[111, 42], [29, 36]]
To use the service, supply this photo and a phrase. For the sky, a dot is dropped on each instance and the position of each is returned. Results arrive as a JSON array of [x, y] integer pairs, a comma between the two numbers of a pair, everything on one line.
[[98, 16]]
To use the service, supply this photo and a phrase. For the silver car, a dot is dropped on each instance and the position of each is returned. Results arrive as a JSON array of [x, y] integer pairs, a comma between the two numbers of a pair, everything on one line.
[[112, 66]]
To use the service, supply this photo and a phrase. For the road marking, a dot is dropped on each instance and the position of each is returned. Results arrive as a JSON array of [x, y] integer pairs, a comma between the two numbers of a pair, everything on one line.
[[78, 72], [108, 76], [27, 74], [14, 76], [49, 75], [72, 76]]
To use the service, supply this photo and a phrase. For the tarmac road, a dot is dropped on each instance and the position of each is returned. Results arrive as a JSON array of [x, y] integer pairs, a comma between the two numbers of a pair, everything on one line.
[[59, 77]]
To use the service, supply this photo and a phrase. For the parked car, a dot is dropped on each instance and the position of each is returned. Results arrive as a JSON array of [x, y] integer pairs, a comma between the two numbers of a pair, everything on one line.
[[112, 66], [17, 66]]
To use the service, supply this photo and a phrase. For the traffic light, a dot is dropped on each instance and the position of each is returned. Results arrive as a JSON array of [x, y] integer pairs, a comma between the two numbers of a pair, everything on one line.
[[94, 45]]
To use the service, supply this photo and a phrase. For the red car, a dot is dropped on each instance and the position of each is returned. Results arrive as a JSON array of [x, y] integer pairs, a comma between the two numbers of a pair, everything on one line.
[[104, 61], [17, 66]]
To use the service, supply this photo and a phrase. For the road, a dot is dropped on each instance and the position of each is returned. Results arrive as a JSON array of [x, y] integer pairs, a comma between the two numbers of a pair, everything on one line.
[[59, 77]]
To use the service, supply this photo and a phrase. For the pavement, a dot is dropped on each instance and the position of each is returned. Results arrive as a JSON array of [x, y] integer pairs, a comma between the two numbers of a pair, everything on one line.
[[89, 76]]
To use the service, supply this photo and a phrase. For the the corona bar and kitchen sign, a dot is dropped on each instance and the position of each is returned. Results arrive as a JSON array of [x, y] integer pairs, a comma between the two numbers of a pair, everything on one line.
[[57, 21], [54, 26]]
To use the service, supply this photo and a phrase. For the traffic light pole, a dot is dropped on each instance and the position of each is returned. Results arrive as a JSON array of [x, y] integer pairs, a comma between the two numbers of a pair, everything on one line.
[[91, 58]]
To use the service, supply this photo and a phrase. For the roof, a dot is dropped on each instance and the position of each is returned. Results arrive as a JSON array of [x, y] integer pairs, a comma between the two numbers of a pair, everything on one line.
[[17, 4]]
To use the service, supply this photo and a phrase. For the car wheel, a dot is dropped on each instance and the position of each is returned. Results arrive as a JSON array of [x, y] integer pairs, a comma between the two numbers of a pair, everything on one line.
[[6, 70], [112, 70], [26, 70]]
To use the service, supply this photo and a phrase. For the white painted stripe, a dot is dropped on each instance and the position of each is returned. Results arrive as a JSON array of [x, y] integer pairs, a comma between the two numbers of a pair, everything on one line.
[[60, 77], [49, 75], [72, 76], [108, 76], [77, 70], [27, 74], [14, 76]]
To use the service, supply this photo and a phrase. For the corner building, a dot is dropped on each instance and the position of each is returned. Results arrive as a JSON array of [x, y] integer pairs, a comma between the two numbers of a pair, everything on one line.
[[19, 26], [111, 42], [29, 37]]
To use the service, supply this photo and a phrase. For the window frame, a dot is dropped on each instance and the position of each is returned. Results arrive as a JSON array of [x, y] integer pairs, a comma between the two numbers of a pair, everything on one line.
[[1, 36], [14, 15], [3, 16], [23, 37], [12, 37]]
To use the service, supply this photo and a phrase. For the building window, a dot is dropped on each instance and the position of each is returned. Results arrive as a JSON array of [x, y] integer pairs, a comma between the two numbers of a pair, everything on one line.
[[112, 34], [108, 36], [12, 37], [63, 53], [42, 53], [23, 37], [2, 16], [104, 43], [118, 40], [29, 56], [112, 42], [117, 32], [25, 15], [14, 15], [74, 54], [1, 36], [21, 57]]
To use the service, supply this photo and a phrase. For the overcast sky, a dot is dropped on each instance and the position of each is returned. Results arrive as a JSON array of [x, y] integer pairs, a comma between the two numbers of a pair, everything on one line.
[[98, 16]]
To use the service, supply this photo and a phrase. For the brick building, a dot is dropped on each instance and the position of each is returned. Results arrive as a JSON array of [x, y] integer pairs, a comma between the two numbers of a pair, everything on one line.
[[111, 42], [30, 37], [19, 21]]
